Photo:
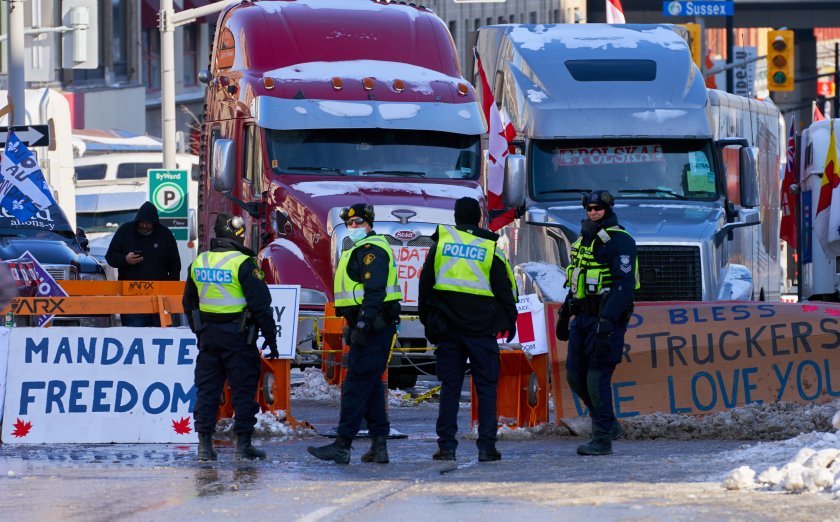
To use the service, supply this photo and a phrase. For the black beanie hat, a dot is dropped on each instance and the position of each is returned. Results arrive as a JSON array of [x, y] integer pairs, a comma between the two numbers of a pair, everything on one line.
[[231, 227], [362, 210], [467, 212]]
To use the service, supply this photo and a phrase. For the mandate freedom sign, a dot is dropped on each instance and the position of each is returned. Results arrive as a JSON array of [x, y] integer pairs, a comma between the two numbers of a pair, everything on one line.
[[703, 357], [100, 385]]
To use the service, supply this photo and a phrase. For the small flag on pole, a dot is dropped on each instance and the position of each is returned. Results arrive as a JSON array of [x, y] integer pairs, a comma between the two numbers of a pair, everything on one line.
[[615, 14], [23, 190], [828, 214], [787, 228], [816, 114]]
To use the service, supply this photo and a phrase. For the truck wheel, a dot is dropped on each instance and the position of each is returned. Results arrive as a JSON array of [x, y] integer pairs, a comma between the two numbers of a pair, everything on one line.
[[402, 378]]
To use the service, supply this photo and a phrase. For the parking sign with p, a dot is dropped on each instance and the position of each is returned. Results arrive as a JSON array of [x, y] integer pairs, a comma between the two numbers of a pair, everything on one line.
[[168, 192]]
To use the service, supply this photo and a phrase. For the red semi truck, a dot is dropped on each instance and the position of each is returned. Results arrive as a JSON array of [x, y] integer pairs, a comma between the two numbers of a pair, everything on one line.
[[313, 105]]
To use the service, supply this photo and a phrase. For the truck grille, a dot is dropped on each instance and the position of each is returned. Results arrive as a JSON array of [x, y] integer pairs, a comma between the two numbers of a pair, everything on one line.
[[420, 241], [669, 273], [62, 272]]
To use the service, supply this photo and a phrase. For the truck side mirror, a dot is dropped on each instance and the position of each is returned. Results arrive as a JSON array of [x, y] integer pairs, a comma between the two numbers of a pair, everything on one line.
[[748, 159], [82, 238], [192, 232], [513, 190], [224, 166]]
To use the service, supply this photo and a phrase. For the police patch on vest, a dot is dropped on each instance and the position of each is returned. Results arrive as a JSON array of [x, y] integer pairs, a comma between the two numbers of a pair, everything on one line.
[[625, 264], [259, 274], [212, 275], [464, 251], [368, 259]]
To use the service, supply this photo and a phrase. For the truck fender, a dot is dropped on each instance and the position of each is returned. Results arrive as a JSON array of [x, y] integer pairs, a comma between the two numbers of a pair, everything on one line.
[[736, 283], [546, 280], [284, 263]]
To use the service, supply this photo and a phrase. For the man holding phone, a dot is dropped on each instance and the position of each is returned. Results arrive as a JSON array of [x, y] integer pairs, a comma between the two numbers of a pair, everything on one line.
[[144, 250]]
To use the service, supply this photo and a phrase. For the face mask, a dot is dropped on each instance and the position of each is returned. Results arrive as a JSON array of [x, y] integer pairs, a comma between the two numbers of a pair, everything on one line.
[[357, 234]]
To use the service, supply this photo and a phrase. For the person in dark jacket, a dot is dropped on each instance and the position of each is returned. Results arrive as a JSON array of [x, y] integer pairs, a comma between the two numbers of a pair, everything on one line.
[[367, 294], [226, 300], [467, 296], [144, 250], [602, 276]]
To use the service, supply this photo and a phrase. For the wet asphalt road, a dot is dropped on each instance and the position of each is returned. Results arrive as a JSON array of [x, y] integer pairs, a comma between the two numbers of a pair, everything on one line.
[[541, 479]]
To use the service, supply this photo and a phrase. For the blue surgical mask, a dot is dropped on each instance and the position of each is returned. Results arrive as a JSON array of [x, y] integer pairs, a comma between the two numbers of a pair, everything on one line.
[[356, 234]]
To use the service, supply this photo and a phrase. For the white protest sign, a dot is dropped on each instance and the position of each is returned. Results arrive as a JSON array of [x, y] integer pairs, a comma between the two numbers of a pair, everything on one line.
[[4, 359], [409, 261], [96, 385], [530, 325], [285, 302]]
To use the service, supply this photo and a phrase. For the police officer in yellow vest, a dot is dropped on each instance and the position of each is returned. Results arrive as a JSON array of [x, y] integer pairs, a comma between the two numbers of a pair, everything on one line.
[[226, 300], [467, 296], [602, 275], [367, 294]]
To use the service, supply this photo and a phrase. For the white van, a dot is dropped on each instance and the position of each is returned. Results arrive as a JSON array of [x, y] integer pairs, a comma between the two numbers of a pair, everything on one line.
[[110, 189]]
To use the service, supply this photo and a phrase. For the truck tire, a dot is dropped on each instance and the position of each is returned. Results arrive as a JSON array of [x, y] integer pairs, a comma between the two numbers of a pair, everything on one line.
[[402, 378]]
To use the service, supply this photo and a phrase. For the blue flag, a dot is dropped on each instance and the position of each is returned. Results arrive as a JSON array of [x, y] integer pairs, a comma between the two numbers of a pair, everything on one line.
[[23, 190]]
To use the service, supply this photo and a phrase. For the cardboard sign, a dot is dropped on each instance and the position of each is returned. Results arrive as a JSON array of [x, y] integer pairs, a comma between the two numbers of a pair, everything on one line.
[[100, 385], [285, 303], [409, 261], [530, 325], [702, 357]]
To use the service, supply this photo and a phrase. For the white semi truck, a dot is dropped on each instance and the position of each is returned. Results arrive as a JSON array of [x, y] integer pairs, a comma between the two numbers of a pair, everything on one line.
[[695, 172]]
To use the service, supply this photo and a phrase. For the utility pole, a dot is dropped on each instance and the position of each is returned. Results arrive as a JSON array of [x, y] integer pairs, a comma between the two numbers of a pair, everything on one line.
[[836, 102], [17, 81], [730, 52], [168, 21]]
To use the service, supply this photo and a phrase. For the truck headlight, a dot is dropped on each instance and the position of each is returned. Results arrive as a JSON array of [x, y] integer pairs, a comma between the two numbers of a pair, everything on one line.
[[91, 277]]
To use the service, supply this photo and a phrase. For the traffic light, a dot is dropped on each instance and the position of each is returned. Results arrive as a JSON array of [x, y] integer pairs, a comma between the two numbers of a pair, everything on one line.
[[695, 43], [780, 60]]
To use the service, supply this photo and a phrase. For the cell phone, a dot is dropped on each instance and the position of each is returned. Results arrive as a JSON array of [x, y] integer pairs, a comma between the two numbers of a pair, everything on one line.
[[137, 252]]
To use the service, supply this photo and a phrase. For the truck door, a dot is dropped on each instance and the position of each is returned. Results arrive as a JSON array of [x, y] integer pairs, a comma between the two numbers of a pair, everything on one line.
[[251, 188]]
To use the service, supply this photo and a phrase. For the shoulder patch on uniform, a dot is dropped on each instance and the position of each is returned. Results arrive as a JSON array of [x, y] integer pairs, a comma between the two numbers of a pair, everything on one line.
[[368, 259], [259, 274], [367, 275]]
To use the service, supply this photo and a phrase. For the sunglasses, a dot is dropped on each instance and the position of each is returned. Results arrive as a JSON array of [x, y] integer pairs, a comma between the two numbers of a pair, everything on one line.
[[594, 208], [354, 221]]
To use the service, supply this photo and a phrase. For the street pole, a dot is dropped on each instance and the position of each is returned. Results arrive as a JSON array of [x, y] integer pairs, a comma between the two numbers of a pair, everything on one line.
[[836, 101], [730, 52], [17, 81], [167, 83]]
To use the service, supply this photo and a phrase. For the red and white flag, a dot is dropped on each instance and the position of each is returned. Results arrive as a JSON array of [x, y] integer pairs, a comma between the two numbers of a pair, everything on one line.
[[816, 113], [615, 14], [827, 219], [711, 82], [787, 228], [498, 147]]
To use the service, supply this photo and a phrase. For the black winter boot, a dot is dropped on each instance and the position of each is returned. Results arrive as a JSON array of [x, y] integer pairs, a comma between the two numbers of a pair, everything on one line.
[[599, 445], [616, 432], [205, 447], [244, 449], [378, 451], [338, 451]]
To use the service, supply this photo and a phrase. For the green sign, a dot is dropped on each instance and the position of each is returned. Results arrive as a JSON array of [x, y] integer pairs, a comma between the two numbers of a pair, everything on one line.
[[168, 191]]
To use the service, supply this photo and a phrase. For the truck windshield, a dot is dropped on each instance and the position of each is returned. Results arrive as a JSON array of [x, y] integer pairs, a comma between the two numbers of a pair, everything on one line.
[[104, 221], [374, 152], [661, 169]]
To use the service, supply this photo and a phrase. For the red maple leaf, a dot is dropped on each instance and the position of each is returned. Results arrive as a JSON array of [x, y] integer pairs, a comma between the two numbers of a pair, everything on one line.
[[182, 427], [21, 428]]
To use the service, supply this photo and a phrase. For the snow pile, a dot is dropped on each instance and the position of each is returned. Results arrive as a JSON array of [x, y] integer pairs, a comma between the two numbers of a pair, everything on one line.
[[268, 425], [315, 386], [399, 398]]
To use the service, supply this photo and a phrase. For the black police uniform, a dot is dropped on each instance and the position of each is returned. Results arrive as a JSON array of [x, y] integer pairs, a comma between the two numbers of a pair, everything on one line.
[[224, 348], [465, 326], [362, 395], [596, 334]]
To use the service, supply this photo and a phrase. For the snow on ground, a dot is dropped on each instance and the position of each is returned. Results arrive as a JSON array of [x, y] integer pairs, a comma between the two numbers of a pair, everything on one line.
[[268, 425], [313, 385]]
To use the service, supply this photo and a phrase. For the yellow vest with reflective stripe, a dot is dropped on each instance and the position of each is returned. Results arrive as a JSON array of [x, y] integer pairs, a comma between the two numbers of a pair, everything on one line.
[[463, 261], [216, 276], [586, 276], [348, 292]]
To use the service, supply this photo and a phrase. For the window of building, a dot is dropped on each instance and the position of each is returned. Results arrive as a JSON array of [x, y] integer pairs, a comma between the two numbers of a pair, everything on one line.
[[532, 17], [489, 21], [453, 29], [512, 19], [190, 65], [500, 20], [556, 16], [151, 59], [119, 38], [476, 24]]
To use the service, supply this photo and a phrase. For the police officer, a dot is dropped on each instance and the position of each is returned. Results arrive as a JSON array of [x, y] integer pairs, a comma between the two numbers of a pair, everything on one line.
[[367, 294], [602, 275], [226, 300], [467, 295]]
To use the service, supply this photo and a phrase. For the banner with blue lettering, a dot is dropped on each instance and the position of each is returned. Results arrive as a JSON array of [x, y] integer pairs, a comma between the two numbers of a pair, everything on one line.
[[98, 385], [698, 358], [23, 189]]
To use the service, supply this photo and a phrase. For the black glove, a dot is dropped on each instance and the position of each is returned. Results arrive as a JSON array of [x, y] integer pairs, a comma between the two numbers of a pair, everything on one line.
[[359, 334], [561, 329], [271, 344], [511, 333], [345, 335], [605, 328]]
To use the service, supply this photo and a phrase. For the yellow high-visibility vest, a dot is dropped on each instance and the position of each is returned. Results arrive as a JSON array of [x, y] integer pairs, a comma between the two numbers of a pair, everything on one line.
[[216, 276], [348, 292], [586, 276], [463, 261]]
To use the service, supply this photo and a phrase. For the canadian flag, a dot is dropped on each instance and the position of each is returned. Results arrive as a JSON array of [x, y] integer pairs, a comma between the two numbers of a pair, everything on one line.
[[711, 82], [615, 14], [827, 218], [787, 227], [816, 113], [498, 147]]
